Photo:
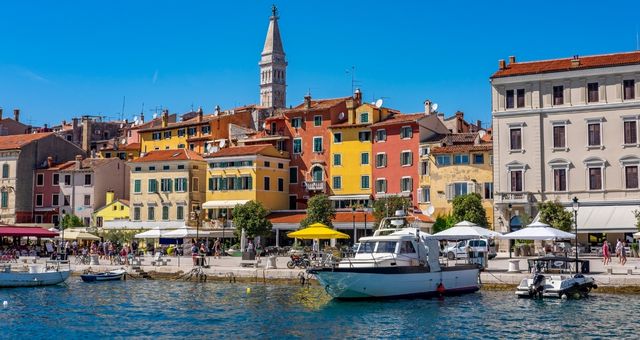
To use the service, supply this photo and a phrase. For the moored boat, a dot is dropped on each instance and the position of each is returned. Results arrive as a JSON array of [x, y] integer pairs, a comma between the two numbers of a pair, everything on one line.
[[36, 275], [113, 275], [547, 285]]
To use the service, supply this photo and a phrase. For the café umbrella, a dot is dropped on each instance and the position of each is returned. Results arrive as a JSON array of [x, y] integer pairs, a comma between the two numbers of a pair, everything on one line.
[[317, 231], [538, 231], [465, 230]]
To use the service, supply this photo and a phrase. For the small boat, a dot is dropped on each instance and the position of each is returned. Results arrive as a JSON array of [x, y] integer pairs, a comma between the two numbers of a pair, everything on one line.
[[36, 275], [113, 275], [554, 286]]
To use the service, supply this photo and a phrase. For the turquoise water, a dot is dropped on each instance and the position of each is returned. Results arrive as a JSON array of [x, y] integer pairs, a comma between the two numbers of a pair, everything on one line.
[[149, 309]]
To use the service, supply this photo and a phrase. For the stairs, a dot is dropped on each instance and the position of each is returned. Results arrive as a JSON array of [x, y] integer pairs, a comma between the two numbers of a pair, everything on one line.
[[141, 273]]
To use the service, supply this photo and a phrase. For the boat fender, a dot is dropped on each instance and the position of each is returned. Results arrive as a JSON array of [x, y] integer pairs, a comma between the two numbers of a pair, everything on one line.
[[440, 288]]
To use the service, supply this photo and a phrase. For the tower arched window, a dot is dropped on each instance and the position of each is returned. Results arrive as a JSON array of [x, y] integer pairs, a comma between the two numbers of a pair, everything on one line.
[[5, 170]]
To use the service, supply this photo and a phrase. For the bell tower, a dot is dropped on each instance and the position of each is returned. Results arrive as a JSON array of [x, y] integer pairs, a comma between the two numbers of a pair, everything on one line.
[[273, 67]]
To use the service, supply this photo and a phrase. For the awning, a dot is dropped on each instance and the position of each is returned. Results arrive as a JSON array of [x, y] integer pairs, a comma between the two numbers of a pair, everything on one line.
[[26, 231], [606, 219], [349, 197], [80, 235], [222, 204], [137, 225]]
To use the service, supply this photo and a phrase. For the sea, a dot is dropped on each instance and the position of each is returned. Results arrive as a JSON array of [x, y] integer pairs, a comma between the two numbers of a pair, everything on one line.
[[215, 310]]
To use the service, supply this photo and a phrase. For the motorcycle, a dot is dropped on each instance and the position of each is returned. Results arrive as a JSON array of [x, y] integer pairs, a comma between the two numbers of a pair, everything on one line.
[[301, 261]]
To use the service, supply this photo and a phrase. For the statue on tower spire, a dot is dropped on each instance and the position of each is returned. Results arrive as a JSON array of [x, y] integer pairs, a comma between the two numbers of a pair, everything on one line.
[[274, 10]]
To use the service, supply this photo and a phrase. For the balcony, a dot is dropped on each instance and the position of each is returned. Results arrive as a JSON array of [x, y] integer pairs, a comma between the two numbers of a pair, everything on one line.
[[513, 197], [314, 185]]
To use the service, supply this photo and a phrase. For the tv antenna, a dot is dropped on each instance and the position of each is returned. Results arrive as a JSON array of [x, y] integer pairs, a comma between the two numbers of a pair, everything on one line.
[[354, 82]]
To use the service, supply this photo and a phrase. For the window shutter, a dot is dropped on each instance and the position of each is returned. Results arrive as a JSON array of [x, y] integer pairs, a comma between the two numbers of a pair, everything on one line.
[[384, 159], [449, 192], [419, 193], [169, 185]]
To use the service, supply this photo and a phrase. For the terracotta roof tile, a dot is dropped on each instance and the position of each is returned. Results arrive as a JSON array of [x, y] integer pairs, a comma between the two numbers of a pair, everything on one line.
[[18, 141], [463, 137], [559, 65], [461, 148], [400, 119], [169, 155], [243, 151], [320, 104]]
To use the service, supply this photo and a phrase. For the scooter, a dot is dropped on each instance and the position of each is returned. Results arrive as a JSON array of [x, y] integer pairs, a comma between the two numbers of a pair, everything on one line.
[[299, 261]]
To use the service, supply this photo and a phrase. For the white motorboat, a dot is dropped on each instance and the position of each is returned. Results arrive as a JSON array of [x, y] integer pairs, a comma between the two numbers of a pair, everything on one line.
[[34, 275], [543, 284], [399, 261]]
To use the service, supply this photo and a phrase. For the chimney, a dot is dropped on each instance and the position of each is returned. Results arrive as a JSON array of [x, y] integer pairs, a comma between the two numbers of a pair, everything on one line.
[[165, 117], [307, 100], [358, 97], [86, 135], [427, 107], [200, 112], [575, 62], [0, 113], [75, 131], [512, 59], [479, 124], [351, 110], [141, 117], [49, 162], [78, 162], [111, 196], [16, 115], [501, 64]]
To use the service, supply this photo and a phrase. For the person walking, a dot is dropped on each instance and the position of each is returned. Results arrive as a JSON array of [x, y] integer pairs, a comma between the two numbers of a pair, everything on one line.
[[606, 253], [216, 249], [618, 249], [623, 253]]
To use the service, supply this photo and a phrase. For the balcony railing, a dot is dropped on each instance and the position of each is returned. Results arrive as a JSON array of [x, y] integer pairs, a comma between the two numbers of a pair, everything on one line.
[[314, 185], [514, 197]]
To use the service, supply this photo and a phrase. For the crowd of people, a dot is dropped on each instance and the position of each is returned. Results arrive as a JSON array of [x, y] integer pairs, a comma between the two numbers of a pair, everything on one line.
[[620, 249]]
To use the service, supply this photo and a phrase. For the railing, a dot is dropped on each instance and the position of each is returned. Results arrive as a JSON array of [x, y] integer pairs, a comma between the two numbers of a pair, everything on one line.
[[514, 197], [315, 185]]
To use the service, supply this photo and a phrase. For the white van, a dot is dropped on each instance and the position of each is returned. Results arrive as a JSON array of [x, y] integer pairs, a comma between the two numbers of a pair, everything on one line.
[[459, 250]]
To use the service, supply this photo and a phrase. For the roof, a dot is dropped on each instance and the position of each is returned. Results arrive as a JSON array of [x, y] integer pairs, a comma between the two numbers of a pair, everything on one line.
[[243, 151], [461, 148], [399, 119], [467, 137], [319, 104], [124, 147], [346, 125], [87, 164], [194, 121], [10, 230], [273, 42], [559, 65], [169, 155], [18, 141]]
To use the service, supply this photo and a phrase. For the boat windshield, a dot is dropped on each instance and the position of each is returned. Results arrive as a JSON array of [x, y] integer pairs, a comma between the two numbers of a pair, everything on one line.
[[366, 248], [386, 247]]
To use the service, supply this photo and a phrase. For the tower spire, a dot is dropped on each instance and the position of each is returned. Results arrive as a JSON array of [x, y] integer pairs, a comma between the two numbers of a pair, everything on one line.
[[273, 66]]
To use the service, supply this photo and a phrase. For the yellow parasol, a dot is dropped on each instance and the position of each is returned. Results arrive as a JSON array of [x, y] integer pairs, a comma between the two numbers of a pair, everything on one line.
[[317, 231]]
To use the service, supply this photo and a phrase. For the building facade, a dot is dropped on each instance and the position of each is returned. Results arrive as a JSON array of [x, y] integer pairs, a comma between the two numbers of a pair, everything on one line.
[[114, 210], [273, 67]]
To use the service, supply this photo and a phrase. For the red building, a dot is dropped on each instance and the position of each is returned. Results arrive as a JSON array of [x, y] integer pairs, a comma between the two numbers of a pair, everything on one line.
[[47, 197]]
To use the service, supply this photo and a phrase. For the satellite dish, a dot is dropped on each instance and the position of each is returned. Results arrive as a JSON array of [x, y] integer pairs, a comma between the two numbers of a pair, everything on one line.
[[341, 115], [223, 143], [124, 141], [209, 148], [378, 103], [434, 107], [429, 211], [155, 115], [482, 133], [214, 149], [135, 120], [216, 112]]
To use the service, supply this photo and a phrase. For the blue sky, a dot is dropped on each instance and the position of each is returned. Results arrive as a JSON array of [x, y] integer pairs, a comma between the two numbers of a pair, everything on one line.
[[60, 59]]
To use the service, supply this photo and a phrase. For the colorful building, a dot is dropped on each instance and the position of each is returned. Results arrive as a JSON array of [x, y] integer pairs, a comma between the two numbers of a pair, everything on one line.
[[114, 211]]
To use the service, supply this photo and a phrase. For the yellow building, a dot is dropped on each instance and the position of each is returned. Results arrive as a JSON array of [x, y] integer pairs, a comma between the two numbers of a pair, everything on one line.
[[125, 152], [239, 174], [114, 210], [454, 165], [351, 157]]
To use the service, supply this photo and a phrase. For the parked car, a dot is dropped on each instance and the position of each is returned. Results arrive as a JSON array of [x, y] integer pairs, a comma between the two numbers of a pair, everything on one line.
[[460, 249]]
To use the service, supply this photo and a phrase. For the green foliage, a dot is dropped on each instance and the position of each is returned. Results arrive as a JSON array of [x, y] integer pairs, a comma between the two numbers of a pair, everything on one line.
[[469, 208], [319, 209], [554, 214], [120, 236], [636, 213], [443, 222], [385, 207], [252, 217], [71, 221]]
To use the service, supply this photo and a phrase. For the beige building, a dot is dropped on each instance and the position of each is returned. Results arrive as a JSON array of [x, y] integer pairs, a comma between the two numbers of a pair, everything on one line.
[[568, 128]]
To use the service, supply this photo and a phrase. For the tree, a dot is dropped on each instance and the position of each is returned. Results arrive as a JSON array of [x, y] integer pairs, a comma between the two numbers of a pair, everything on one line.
[[252, 217], [555, 215], [636, 213], [71, 221], [385, 207], [319, 209], [469, 208], [443, 222]]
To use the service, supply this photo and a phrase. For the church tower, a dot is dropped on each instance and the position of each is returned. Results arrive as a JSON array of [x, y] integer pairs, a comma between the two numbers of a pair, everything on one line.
[[273, 67]]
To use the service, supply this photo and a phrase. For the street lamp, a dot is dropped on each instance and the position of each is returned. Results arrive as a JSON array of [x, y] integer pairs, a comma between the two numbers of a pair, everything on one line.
[[509, 220], [196, 210], [353, 214], [576, 206], [224, 215]]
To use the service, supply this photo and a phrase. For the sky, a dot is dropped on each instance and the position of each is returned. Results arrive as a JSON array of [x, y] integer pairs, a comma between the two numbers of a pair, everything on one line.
[[60, 59]]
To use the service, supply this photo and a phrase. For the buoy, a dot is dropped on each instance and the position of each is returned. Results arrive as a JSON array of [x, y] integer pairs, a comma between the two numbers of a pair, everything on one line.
[[5, 303], [248, 290], [440, 288], [564, 296]]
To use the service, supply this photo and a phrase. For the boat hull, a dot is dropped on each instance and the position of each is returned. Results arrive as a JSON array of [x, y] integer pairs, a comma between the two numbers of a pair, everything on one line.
[[557, 287], [107, 276], [396, 282], [18, 279]]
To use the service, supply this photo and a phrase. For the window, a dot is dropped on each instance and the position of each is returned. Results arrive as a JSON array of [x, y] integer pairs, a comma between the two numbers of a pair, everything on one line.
[[461, 158], [364, 158], [631, 177], [595, 178], [317, 120], [381, 135], [156, 136], [137, 186], [165, 185], [520, 97], [136, 214], [39, 180], [516, 138], [443, 160], [56, 179], [191, 131], [296, 122], [630, 132], [364, 136], [364, 117], [151, 214], [107, 155], [516, 180], [381, 185], [629, 90], [181, 184], [337, 159], [381, 160], [195, 184], [87, 179], [560, 179], [137, 169], [317, 144], [205, 130], [165, 213], [280, 165], [281, 184], [558, 95], [406, 132], [559, 137], [4, 199], [478, 158], [337, 137], [364, 182], [594, 134], [87, 200], [179, 213], [406, 158], [153, 186], [181, 132], [267, 164], [166, 168], [67, 179], [67, 200], [337, 182], [509, 99], [38, 219], [267, 183], [5, 170], [424, 194], [39, 200], [592, 93], [406, 184], [297, 146], [424, 168], [488, 191], [167, 135], [274, 128], [192, 146], [152, 168], [293, 174], [55, 200]]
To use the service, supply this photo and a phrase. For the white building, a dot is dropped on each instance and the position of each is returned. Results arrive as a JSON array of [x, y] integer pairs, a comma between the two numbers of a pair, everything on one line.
[[567, 128]]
